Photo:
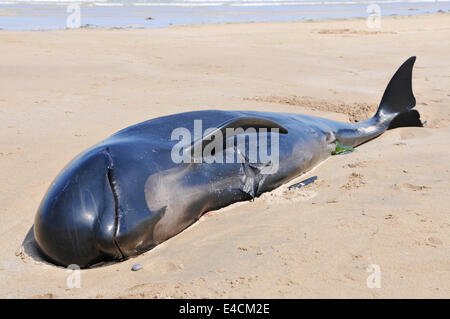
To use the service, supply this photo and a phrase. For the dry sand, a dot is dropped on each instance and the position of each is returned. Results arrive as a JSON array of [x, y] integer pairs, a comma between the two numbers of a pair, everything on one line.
[[385, 204]]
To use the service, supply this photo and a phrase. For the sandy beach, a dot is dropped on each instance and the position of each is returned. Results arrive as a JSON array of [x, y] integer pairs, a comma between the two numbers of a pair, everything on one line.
[[385, 204]]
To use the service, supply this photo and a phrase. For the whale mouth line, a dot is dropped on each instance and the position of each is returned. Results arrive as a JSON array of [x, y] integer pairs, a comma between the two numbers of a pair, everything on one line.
[[113, 186]]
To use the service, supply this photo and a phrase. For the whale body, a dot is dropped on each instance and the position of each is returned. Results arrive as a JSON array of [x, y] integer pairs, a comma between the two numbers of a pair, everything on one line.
[[126, 194]]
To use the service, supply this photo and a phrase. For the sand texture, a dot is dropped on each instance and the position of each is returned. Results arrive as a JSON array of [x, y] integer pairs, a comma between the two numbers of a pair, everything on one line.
[[387, 203]]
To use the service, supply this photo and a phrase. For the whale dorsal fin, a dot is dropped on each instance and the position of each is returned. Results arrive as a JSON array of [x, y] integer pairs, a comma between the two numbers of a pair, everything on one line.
[[237, 123]]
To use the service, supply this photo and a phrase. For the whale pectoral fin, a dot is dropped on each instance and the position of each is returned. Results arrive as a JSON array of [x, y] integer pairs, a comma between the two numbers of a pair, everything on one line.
[[253, 175], [250, 179], [231, 128]]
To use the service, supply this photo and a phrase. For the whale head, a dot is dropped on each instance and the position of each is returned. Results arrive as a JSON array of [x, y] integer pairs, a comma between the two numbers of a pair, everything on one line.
[[75, 223]]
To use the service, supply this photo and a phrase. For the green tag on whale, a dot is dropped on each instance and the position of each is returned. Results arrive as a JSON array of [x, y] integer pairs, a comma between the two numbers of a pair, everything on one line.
[[342, 149]]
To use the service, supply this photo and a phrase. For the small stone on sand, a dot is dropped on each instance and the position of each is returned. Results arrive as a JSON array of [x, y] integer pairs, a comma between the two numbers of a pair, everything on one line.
[[136, 267]]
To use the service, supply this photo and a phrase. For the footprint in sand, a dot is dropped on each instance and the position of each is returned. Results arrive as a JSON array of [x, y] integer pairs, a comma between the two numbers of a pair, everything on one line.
[[163, 266], [355, 180], [356, 164], [283, 195], [169, 267], [433, 242], [407, 186], [411, 133]]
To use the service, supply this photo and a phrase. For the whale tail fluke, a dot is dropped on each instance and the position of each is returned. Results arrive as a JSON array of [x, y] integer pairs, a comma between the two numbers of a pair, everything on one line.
[[409, 118], [395, 110], [398, 99]]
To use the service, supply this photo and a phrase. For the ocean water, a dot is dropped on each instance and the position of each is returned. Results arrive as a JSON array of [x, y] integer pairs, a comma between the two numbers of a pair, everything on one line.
[[62, 14]]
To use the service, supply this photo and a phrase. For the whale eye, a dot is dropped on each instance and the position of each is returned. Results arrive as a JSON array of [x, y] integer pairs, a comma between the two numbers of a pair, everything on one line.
[[329, 137]]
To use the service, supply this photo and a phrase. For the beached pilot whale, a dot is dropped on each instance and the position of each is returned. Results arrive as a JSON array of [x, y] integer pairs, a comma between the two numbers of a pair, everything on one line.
[[126, 194]]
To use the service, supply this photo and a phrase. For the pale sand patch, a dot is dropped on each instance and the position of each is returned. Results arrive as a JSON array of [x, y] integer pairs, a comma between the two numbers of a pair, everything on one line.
[[64, 91]]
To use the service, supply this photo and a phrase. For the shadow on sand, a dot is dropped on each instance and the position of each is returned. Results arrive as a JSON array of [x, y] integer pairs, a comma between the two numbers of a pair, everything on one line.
[[31, 250]]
